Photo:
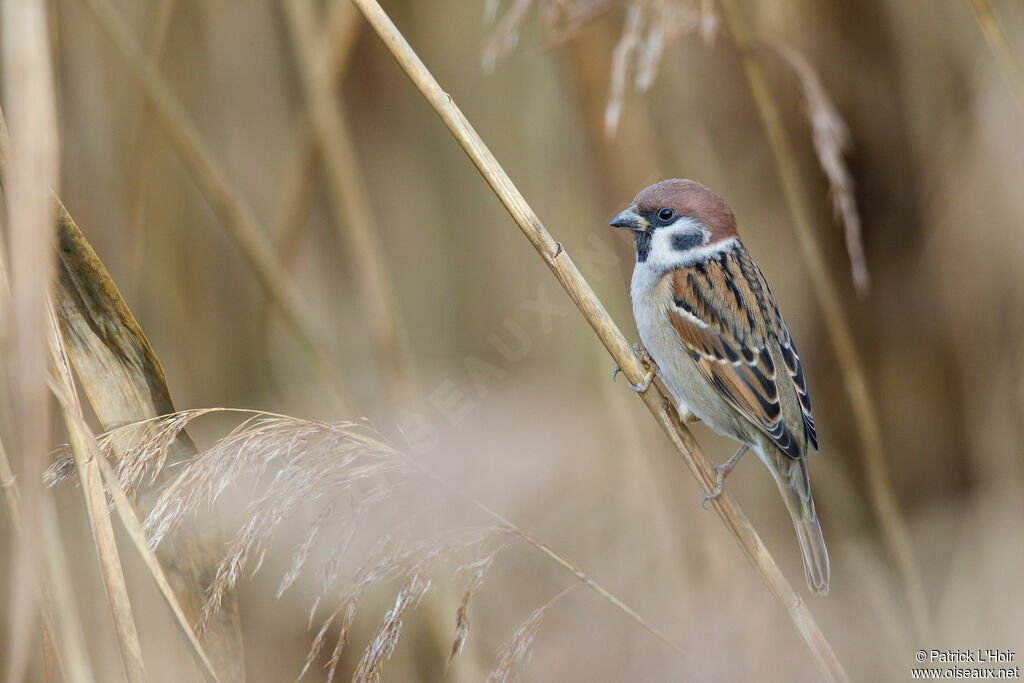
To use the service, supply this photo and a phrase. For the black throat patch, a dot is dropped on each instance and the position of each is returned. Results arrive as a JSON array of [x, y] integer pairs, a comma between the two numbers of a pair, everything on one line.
[[643, 245]]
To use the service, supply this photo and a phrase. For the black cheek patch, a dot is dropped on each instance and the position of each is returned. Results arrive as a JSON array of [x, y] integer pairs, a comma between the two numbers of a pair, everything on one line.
[[684, 241]]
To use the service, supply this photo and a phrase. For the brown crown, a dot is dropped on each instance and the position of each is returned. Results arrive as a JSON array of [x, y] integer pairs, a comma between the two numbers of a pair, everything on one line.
[[690, 198]]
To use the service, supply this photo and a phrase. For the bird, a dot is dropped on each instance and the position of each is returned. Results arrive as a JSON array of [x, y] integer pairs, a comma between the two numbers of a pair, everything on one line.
[[711, 331]]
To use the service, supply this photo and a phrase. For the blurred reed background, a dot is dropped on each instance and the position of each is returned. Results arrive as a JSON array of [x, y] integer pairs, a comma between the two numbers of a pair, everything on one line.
[[295, 231]]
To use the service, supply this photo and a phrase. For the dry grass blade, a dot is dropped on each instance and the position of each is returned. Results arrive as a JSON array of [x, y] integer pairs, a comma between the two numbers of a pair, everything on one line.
[[236, 215], [880, 488], [124, 382], [31, 169], [831, 140], [1000, 46], [346, 192], [586, 300], [85, 453]]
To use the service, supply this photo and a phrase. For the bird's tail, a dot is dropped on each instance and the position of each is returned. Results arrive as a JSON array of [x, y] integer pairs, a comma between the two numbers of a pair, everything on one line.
[[795, 487]]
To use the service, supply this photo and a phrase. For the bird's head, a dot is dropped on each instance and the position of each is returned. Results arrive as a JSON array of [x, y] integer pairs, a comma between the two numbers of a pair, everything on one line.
[[675, 221]]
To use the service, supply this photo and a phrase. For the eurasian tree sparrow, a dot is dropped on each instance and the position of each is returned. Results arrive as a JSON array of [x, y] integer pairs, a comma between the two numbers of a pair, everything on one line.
[[708, 320]]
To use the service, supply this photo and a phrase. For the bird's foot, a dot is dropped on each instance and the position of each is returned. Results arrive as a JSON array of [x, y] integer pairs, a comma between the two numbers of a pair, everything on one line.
[[723, 471], [645, 359]]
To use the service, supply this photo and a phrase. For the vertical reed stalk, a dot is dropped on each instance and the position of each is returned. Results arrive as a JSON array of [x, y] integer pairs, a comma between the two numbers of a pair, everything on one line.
[[346, 192], [556, 258], [62, 632], [880, 488], [31, 169]]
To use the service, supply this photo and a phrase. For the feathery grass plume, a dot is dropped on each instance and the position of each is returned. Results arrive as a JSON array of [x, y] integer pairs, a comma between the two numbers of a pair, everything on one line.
[[623, 56], [650, 25], [506, 36], [475, 572], [516, 650], [415, 584], [394, 555], [315, 457], [294, 462], [831, 138]]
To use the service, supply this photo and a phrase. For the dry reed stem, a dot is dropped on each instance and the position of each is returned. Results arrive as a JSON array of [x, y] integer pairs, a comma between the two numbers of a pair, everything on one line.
[[31, 169], [74, 653], [343, 22], [347, 196], [1000, 46], [8, 485], [99, 514], [880, 488], [593, 310], [236, 215], [58, 613]]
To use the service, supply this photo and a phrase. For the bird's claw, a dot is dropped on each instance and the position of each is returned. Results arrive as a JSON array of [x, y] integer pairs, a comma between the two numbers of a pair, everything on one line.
[[644, 384], [723, 471], [719, 487], [645, 359]]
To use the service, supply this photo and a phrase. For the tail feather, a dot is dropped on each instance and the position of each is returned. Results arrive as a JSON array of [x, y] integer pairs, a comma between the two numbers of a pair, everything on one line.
[[794, 485]]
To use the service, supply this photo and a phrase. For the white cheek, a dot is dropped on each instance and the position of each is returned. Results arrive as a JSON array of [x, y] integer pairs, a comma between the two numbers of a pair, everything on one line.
[[662, 254]]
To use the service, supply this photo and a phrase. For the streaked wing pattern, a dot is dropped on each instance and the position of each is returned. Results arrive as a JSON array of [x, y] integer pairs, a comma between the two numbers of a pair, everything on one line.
[[726, 316]]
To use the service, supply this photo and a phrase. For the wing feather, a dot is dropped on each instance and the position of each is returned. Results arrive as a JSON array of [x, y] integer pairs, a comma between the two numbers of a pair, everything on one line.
[[726, 316]]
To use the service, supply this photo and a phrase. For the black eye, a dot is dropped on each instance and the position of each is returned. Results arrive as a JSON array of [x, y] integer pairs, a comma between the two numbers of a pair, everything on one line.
[[666, 214]]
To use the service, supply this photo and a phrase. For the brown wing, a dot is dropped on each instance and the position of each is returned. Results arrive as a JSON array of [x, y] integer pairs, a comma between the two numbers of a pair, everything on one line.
[[727, 318]]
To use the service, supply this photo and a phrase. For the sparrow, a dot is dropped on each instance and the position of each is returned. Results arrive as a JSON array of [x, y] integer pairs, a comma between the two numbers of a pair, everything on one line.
[[710, 324]]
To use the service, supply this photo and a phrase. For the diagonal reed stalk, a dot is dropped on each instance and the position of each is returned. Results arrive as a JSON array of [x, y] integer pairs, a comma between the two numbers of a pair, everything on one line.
[[610, 336], [340, 34], [99, 514], [236, 215], [1000, 46], [348, 197], [880, 487], [138, 148]]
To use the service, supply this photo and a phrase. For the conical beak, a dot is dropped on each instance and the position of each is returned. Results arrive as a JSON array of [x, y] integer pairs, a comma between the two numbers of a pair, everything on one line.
[[630, 220]]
